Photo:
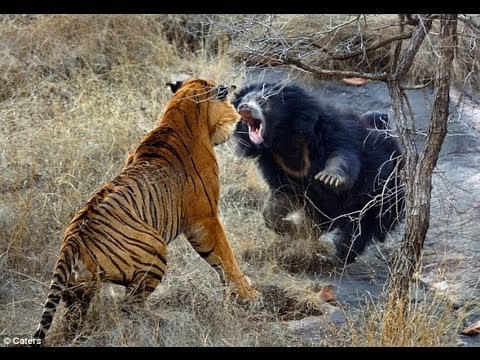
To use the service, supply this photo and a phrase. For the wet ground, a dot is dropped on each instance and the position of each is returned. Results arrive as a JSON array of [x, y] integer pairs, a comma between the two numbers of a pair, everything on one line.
[[452, 247]]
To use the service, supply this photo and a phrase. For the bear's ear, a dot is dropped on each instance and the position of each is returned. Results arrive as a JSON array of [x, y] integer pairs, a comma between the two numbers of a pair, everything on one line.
[[174, 86], [222, 91]]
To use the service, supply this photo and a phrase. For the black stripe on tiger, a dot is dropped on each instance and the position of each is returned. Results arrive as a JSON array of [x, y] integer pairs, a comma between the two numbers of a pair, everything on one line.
[[204, 189], [131, 225]]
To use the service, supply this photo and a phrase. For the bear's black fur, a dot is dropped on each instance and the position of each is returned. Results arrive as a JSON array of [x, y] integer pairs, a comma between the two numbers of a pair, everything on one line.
[[340, 166]]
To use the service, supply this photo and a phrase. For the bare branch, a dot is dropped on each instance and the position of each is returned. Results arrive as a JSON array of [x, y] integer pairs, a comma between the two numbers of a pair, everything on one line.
[[382, 76], [412, 48], [417, 87], [438, 121]]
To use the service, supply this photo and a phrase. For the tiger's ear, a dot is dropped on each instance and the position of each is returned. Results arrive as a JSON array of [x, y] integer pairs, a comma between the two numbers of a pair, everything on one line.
[[223, 91], [174, 86]]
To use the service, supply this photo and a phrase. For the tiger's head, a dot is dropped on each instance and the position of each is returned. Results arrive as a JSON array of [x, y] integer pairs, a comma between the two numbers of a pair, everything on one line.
[[212, 101]]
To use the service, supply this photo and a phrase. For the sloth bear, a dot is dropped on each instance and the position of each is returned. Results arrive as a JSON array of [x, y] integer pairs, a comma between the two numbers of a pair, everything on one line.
[[341, 168]]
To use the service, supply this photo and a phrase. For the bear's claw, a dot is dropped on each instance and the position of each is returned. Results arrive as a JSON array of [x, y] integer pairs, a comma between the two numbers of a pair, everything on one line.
[[330, 178]]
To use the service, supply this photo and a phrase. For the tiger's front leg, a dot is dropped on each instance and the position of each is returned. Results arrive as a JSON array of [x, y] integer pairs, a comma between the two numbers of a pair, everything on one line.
[[209, 240]]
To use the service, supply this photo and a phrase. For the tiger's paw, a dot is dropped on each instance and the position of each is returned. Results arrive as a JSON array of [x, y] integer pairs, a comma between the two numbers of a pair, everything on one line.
[[248, 294], [331, 178], [244, 292]]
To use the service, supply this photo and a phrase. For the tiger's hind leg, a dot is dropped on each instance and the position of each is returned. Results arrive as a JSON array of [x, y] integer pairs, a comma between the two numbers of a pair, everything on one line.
[[139, 290], [148, 264], [211, 243], [77, 298]]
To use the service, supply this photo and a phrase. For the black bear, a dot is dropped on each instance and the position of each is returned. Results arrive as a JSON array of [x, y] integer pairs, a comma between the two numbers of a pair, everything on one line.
[[341, 167]]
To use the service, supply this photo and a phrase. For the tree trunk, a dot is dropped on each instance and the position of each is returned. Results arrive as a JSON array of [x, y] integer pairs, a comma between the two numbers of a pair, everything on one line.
[[418, 169]]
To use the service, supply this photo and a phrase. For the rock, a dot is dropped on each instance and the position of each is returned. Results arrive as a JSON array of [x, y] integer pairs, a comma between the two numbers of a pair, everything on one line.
[[473, 329], [457, 304], [355, 81], [440, 285], [312, 328], [306, 324], [337, 317], [327, 293]]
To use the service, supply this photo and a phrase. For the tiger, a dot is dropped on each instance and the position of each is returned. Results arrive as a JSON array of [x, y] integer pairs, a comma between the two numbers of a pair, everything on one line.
[[168, 186]]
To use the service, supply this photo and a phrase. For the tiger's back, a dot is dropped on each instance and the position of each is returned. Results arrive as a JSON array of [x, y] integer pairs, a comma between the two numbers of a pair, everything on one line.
[[168, 186]]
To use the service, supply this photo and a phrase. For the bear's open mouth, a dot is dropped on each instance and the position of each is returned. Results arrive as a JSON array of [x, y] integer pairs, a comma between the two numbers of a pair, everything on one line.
[[255, 126]]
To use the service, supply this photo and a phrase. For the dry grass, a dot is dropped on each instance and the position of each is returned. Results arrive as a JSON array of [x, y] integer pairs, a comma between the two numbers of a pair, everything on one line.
[[427, 321], [77, 94]]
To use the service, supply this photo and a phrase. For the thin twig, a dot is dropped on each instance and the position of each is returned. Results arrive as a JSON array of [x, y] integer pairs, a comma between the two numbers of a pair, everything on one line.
[[382, 76], [368, 49], [417, 87]]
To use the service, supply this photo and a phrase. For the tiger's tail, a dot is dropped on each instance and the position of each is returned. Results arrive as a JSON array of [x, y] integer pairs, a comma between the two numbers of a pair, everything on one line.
[[62, 272]]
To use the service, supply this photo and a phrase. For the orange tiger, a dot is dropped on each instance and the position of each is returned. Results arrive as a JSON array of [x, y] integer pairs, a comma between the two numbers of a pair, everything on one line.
[[168, 186]]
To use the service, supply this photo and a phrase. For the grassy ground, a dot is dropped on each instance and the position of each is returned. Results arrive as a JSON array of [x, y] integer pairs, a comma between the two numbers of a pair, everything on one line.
[[77, 94]]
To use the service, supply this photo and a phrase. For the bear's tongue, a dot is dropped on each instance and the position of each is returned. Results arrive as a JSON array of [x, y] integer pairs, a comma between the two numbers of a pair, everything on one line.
[[255, 134], [255, 126]]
